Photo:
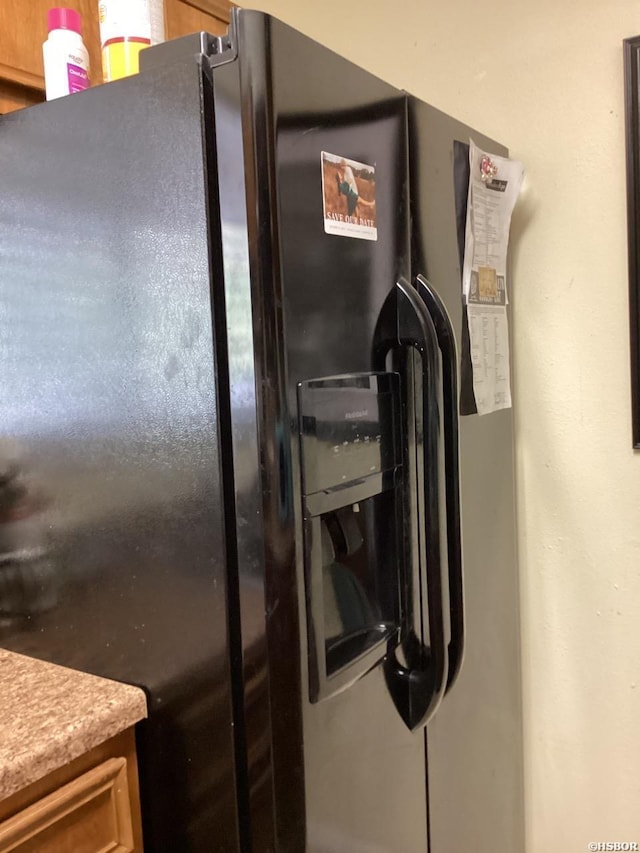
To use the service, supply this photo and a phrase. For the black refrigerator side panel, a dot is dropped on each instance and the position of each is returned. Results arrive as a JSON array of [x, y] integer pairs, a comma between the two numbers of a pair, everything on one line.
[[110, 428], [474, 743]]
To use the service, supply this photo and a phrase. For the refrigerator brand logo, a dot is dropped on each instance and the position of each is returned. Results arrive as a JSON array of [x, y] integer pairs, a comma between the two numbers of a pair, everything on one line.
[[351, 416], [349, 197]]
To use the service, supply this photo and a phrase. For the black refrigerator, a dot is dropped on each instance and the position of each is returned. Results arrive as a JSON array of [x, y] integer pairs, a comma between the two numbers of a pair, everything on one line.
[[232, 469]]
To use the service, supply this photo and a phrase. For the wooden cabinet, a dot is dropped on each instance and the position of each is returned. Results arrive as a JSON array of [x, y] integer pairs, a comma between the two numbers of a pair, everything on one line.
[[23, 28], [90, 806], [182, 17]]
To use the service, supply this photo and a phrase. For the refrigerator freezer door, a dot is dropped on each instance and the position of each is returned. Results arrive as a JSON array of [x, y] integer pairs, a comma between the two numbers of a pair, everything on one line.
[[109, 406], [348, 773], [474, 750]]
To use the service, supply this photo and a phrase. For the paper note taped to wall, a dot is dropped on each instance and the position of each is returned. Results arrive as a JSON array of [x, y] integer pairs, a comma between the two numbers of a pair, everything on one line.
[[494, 185]]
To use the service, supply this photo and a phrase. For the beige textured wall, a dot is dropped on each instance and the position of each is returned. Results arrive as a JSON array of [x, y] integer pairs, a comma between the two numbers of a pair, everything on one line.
[[545, 78]]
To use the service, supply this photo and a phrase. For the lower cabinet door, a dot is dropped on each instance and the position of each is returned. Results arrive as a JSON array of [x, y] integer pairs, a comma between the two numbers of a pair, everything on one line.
[[90, 814]]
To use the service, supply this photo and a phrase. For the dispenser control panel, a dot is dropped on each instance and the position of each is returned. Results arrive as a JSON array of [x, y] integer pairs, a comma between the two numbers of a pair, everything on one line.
[[349, 428]]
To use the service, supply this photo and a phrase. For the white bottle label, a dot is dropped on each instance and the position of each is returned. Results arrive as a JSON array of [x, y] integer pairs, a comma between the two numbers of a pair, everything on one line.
[[66, 64], [128, 19]]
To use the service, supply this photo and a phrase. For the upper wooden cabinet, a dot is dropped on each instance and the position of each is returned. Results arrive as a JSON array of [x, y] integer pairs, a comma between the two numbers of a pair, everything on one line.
[[191, 16], [23, 28]]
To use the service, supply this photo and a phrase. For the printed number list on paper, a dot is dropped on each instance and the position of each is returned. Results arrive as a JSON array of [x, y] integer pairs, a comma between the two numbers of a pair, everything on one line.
[[494, 185]]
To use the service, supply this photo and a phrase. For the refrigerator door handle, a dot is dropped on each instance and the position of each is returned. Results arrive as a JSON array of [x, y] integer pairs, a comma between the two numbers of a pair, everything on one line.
[[448, 351], [417, 687]]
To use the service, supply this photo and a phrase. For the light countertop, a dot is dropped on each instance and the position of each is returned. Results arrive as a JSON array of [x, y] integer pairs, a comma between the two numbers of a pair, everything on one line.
[[50, 715]]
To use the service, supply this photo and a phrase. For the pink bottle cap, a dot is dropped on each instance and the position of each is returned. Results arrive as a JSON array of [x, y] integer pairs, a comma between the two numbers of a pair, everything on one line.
[[64, 19]]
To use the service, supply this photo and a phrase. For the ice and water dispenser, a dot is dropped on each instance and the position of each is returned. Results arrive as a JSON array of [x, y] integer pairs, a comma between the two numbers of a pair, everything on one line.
[[351, 457]]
